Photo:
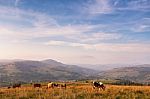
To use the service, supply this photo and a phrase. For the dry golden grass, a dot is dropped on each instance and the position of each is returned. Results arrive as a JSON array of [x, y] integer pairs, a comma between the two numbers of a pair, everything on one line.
[[77, 91]]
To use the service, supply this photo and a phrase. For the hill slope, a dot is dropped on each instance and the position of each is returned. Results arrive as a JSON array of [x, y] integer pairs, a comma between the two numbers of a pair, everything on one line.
[[139, 73], [41, 70]]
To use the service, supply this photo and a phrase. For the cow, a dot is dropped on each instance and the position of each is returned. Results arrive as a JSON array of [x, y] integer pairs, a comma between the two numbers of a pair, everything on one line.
[[99, 85], [16, 85], [62, 85], [9, 87], [36, 85], [50, 85], [55, 85]]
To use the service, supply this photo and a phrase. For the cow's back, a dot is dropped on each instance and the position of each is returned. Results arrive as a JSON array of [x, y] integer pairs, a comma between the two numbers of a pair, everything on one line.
[[16, 85], [36, 85], [96, 84]]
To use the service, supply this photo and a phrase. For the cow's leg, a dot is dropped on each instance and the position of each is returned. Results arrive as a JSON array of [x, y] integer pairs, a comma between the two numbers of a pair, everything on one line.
[[52, 86], [104, 87], [99, 88], [93, 87]]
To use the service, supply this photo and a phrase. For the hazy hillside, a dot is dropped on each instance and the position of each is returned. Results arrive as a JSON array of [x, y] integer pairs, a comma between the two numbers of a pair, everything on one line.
[[103, 67], [140, 73], [41, 70], [27, 70]]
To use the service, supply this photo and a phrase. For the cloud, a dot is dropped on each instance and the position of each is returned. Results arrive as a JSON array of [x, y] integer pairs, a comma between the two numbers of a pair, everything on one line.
[[57, 43], [39, 32], [129, 47], [17, 2], [108, 47], [95, 37], [141, 28], [28, 24], [137, 5], [142, 25], [66, 44], [98, 7]]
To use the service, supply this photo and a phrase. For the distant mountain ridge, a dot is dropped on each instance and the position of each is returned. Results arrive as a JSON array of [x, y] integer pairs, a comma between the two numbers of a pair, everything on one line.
[[27, 70], [106, 67], [138, 73], [46, 70]]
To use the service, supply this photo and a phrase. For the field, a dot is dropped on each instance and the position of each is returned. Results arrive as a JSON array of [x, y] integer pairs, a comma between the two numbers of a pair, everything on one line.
[[76, 91]]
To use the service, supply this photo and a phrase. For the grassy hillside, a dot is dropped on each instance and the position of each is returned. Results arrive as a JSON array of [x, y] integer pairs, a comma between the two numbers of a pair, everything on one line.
[[77, 91], [36, 71], [137, 74], [26, 71]]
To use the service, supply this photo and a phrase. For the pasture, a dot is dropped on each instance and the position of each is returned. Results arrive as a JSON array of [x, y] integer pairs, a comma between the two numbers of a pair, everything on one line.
[[76, 91]]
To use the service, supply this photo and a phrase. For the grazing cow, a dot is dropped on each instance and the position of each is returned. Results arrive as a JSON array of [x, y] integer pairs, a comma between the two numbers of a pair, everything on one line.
[[55, 85], [63, 85], [9, 87], [99, 85], [50, 85], [36, 85], [16, 85]]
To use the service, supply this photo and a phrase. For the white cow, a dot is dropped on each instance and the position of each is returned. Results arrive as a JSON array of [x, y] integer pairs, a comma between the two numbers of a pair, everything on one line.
[[99, 85], [50, 85]]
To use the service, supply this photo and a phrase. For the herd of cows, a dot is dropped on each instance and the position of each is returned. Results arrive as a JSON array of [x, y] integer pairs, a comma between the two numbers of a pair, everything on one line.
[[98, 85]]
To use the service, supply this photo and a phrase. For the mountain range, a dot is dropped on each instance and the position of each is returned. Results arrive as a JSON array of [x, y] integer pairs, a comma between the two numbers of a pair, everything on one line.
[[28, 70], [47, 70], [138, 73]]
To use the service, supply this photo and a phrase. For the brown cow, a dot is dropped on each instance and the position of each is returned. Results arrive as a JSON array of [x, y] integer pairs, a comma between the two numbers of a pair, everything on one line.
[[63, 85], [9, 87], [16, 85], [36, 85]]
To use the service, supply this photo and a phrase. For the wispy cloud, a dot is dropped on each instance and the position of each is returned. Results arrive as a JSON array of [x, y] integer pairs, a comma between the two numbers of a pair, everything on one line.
[[107, 30], [67, 44], [17, 2], [141, 28], [110, 47], [95, 37], [98, 7], [142, 25], [29, 24], [138, 5]]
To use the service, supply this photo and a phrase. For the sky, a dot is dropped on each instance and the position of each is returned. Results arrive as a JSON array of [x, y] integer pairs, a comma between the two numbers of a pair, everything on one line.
[[76, 31]]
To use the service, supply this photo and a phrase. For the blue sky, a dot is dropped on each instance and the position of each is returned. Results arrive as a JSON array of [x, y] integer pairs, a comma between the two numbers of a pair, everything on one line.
[[76, 31]]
